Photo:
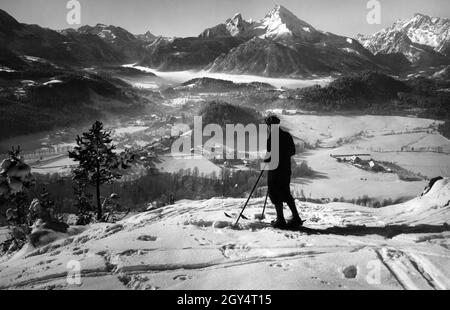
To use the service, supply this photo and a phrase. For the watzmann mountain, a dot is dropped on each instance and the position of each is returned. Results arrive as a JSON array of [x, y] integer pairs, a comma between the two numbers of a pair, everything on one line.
[[278, 24], [280, 44]]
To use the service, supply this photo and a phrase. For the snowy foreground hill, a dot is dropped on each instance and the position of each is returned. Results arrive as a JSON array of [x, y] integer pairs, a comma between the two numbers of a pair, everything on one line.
[[192, 245]]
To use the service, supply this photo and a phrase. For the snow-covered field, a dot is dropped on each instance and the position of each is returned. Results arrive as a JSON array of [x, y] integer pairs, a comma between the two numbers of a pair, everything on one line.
[[409, 142], [175, 164], [383, 137], [184, 100], [330, 128], [192, 245], [62, 165], [338, 180], [129, 130]]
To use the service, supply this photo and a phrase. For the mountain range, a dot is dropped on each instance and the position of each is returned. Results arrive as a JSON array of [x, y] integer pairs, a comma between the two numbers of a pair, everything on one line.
[[279, 24], [280, 45], [423, 40]]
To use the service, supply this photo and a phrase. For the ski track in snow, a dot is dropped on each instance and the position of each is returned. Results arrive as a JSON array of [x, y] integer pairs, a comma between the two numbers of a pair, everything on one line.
[[192, 245]]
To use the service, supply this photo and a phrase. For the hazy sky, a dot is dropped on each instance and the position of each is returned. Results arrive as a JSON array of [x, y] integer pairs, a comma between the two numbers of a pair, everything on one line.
[[190, 17]]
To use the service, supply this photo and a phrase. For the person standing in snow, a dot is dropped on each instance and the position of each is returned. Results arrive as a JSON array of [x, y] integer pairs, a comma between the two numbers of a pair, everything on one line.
[[279, 179]]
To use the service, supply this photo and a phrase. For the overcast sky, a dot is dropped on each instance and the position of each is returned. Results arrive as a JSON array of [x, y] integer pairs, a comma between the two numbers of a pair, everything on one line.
[[190, 17]]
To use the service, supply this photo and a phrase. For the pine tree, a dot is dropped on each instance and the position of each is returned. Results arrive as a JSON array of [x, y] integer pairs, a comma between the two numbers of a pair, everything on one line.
[[15, 180], [97, 162], [83, 197]]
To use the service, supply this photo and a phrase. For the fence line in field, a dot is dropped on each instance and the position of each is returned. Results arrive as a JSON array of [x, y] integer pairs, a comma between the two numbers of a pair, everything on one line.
[[54, 150], [408, 149]]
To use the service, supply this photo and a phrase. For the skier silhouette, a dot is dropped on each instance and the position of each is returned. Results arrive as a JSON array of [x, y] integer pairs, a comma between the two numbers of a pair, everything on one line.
[[279, 179]]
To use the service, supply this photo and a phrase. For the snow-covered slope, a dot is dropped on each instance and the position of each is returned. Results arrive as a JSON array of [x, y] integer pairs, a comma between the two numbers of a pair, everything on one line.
[[416, 38], [108, 33], [235, 27], [280, 23], [426, 30], [192, 245], [432, 207], [118, 38]]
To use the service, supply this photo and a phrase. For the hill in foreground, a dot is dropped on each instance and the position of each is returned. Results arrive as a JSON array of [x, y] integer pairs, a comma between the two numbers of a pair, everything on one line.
[[192, 245]]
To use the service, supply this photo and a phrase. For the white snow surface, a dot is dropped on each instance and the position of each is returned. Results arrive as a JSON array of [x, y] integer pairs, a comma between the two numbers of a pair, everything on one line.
[[192, 245], [32, 58], [130, 129], [422, 29], [6, 69], [52, 82], [281, 22]]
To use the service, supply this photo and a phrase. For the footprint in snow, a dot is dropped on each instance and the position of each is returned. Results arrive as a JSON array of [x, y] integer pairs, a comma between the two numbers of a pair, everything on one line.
[[234, 250], [45, 262], [314, 219], [132, 252], [291, 235], [220, 224], [203, 241], [80, 251], [323, 281], [284, 266], [55, 253], [111, 230], [182, 277], [147, 238], [350, 272], [136, 282]]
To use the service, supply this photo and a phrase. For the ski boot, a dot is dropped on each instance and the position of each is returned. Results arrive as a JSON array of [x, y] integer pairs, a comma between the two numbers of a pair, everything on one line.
[[278, 224], [294, 223]]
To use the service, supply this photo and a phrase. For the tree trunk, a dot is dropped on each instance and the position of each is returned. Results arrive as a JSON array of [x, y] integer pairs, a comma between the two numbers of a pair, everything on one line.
[[99, 204]]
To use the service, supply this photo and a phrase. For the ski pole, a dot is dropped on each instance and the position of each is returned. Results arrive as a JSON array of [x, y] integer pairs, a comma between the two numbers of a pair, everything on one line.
[[265, 202], [249, 196]]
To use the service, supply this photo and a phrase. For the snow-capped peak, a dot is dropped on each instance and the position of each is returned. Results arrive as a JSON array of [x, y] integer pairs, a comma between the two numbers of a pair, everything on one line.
[[423, 29], [237, 17], [420, 29], [280, 22], [237, 25], [281, 12]]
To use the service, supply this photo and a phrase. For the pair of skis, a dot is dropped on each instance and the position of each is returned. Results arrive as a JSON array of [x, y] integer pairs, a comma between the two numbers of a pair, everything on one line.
[[261, 217]]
